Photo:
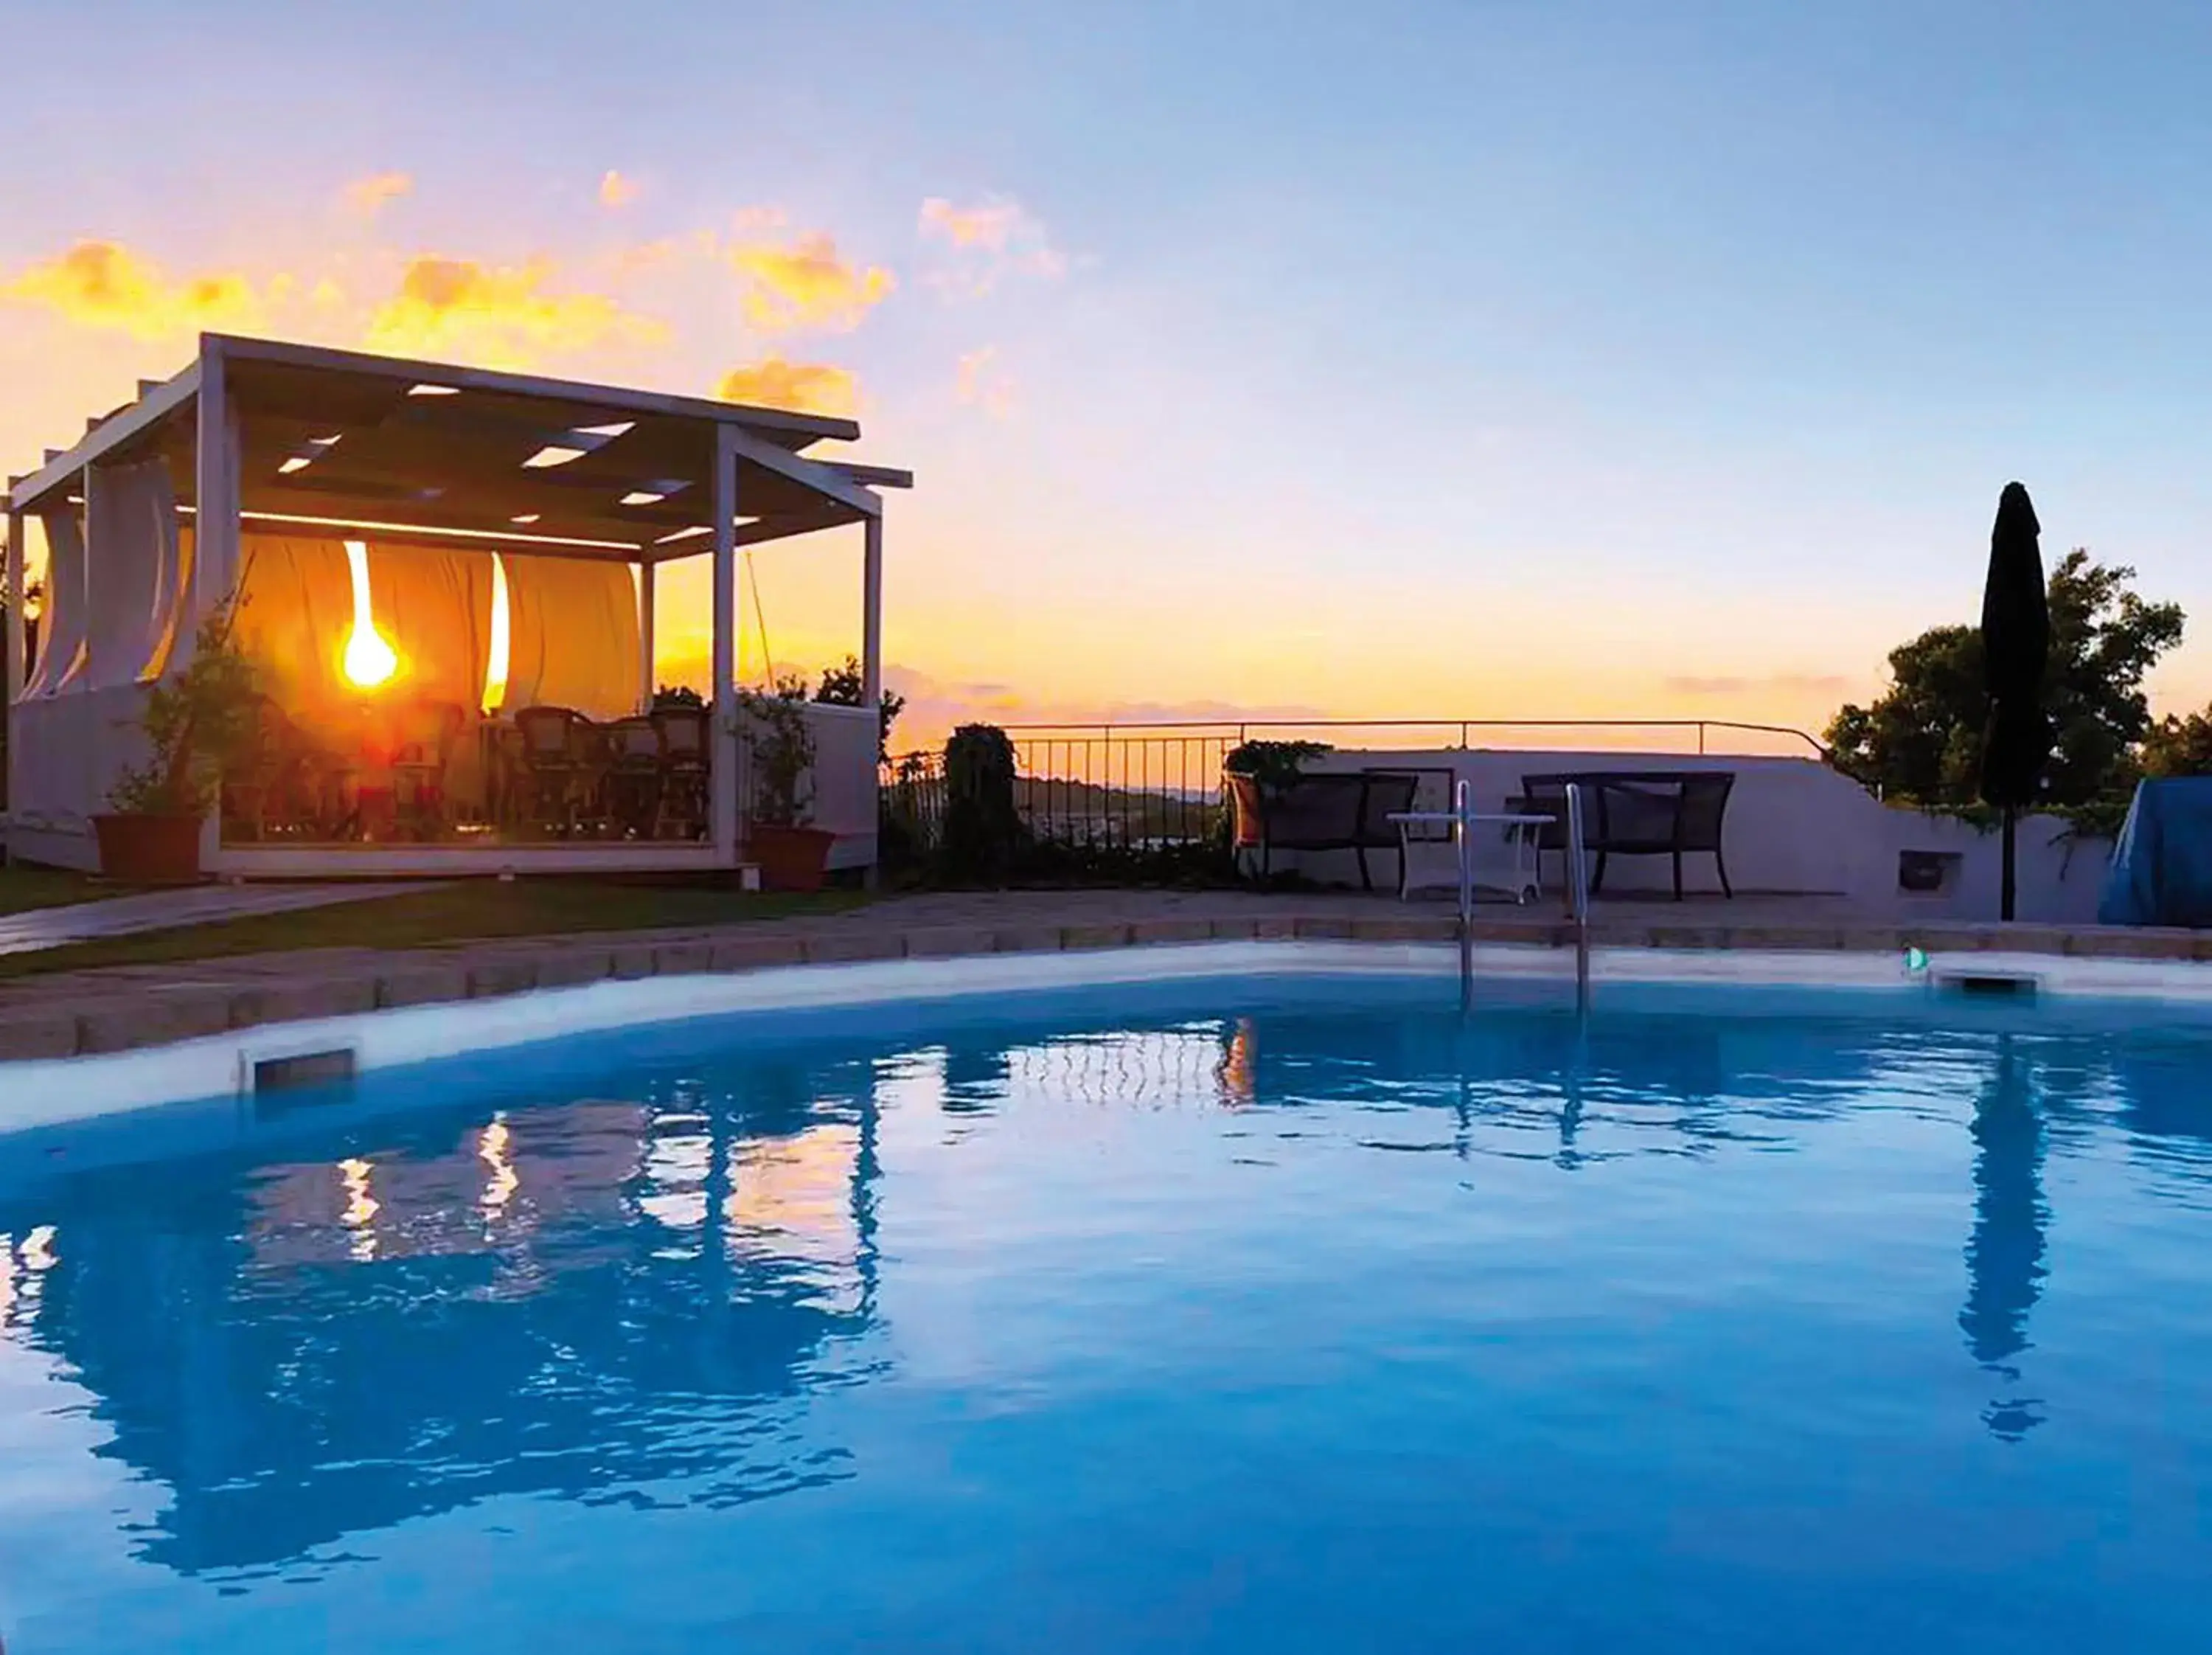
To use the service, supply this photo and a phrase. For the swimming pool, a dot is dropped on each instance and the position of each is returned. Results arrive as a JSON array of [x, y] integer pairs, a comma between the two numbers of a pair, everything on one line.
[[1249, 1314]]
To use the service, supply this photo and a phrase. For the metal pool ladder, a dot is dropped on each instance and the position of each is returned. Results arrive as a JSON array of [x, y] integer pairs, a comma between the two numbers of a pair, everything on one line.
[[1464, 819]]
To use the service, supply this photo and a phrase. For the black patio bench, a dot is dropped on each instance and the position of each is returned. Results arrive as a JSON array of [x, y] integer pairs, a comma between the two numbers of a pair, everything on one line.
[[1636, 813], [1329, 810]]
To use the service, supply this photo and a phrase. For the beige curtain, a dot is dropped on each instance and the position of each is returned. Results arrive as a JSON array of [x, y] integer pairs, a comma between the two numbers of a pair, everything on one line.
[[434, 607], [294, 614], [572, 635], [175, 634], [62, 624], [130, 550]]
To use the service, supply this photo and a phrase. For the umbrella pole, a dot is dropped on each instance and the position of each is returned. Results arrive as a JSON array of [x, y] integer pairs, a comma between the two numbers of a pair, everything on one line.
[[2010, 888]]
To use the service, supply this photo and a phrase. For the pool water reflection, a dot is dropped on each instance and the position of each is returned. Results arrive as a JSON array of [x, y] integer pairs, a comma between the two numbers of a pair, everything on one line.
[[1308, 1317]]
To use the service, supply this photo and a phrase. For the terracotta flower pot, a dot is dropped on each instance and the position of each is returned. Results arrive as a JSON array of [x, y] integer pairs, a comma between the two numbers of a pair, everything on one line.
[[149, 849], [790, 858]]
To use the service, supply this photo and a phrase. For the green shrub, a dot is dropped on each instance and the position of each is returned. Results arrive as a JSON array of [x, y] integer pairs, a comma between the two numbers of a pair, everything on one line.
[[983, 833]]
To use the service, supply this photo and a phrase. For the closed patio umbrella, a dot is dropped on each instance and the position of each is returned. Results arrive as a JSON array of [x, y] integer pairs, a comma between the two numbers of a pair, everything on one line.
[[2015, 654]]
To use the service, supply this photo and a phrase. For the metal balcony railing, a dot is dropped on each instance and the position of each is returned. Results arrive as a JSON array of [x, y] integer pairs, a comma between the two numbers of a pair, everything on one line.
[[1150, 785]]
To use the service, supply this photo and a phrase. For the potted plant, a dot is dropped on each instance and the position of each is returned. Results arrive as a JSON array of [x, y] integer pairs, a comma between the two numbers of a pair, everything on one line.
[[196, 722], [1254, 778], [792, 855], [1273, 766]]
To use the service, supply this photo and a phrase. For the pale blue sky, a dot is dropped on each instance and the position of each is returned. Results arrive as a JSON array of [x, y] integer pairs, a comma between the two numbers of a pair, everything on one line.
[[1498, 356]]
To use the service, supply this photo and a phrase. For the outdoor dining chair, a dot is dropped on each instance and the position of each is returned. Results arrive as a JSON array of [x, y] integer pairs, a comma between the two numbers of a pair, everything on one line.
[[634, 775], [557, 767], [276, 786], [423, 738], [681, 808]]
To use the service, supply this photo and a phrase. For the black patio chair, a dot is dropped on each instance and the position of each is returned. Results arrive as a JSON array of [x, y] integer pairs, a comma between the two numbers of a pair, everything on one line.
[[685, 761], [633, 779], [1329, 810], [1672, 814], [556, 771]]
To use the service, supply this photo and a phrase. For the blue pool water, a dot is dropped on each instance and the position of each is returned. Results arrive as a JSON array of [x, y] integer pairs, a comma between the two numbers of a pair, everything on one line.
[[1247, 1316]]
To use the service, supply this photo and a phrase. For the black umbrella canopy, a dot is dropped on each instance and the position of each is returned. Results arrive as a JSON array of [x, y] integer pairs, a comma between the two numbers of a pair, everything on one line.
[[2015, 654]]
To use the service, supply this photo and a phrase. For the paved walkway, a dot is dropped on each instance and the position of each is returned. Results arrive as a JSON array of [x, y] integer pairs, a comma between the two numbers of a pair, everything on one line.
[[39, 928], [63, 1014]]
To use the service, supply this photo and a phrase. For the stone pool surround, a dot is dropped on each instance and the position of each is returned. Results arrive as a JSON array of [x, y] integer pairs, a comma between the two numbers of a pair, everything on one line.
[[126, 1009]]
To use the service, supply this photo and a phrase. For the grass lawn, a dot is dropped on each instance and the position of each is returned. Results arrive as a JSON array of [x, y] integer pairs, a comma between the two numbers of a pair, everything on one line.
[[22, 889], [463, 911]]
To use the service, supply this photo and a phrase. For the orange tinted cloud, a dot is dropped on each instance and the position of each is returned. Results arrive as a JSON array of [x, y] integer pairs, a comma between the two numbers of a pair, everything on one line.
[[992, 238], [499, 316], [647, 256], [978, 383], [102, 284], [616, 191], [987, 226], [366, 195], [798, 387], [805, 283]]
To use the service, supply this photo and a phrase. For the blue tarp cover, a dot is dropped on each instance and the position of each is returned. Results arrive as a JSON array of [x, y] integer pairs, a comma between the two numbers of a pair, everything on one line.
[[2162, 867]]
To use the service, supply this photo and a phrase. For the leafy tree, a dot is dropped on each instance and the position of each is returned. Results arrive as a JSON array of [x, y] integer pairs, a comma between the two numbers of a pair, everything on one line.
[[1921, 742], [2180, 746], [2104, 639]]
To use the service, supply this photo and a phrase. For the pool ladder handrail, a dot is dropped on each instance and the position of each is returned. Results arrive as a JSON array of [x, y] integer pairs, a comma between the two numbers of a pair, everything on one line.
[[1576, 860], [1463, 820]]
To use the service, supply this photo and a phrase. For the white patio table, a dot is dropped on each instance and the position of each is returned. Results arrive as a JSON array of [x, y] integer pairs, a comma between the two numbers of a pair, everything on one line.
[[1524, 881]]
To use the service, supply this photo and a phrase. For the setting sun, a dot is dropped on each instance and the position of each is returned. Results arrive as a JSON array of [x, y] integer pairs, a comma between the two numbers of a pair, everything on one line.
[[369, 660]]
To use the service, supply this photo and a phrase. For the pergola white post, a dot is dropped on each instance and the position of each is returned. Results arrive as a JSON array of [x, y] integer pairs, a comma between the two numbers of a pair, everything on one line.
[[11, 681], [14, 592], [871, 612], [215, 520], [723, 769], [215, 524], [645, 676]]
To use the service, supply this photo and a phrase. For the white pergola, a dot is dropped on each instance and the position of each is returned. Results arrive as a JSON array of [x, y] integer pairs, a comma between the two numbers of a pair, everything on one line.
[[437, 454]]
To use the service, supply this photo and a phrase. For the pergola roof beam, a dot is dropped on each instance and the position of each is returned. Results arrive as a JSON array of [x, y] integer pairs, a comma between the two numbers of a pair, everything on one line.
[[618, 401], [110, 434]]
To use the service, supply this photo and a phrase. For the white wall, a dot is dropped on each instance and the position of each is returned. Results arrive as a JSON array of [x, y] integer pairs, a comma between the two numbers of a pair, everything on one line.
[[1793, 826], [65, 752], [846, 743], [840, 790]]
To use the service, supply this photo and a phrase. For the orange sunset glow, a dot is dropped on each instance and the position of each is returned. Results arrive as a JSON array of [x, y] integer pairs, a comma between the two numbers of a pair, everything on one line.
[[1179, 453]]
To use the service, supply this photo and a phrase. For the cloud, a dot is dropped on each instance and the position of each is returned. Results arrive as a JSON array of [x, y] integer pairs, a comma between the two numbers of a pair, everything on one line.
[[616, 191], [647, 256], [498, 316], [990, 225], [979, 384], [805, 284], [103, 285], [366, 195], [992, 239], [937, 706], [1775, 683], [798, 387]]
